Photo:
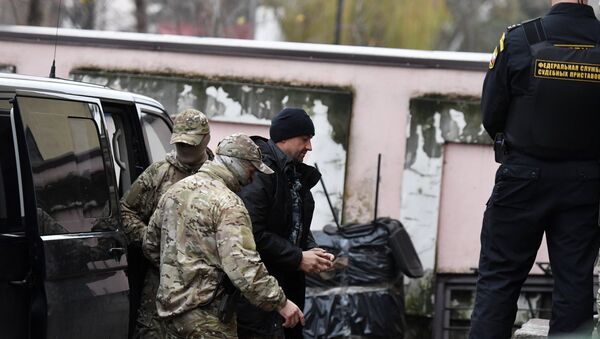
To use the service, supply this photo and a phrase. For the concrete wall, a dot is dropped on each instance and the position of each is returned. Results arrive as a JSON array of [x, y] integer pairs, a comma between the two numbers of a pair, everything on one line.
[[379, 112]]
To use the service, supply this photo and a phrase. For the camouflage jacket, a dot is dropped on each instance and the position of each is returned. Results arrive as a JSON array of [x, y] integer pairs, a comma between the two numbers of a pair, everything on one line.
[[139, 202], [201, 228]]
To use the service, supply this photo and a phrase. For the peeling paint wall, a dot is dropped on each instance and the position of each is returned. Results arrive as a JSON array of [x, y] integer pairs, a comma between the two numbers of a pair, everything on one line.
[[380, 102], [7, 69], [434, 119], [253, 101]]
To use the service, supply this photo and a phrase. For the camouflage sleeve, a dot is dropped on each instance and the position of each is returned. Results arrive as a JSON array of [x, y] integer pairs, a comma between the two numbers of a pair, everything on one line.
[[137, 206], [151, 238], [241, 262]]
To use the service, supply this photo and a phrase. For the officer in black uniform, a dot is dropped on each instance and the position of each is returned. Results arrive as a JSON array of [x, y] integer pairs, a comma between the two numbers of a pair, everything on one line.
[[541, 101]]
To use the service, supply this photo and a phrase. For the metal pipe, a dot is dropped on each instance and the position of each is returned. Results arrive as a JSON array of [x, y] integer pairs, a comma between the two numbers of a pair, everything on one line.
[[377, 186], [335, 218], [338, 22]]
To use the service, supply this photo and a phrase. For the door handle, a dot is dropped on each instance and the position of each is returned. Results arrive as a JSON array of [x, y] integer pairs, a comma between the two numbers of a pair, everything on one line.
[[25, 282], [117, 252], [117, 150]]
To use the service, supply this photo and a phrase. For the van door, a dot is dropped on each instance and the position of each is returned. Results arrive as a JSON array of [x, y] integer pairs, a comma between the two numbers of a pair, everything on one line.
[[15, 259], [81, 257], [156, 128]]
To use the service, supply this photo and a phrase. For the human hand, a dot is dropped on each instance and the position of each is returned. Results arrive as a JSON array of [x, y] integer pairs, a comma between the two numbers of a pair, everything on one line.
[[329, 255], [291, 314], [316, 260]]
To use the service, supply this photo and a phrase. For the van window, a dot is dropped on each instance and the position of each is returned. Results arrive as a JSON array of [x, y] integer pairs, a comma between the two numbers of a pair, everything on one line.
[[157, 135], [69, 173], [125, 136], [112, 130], [5, 105], [10, 208]]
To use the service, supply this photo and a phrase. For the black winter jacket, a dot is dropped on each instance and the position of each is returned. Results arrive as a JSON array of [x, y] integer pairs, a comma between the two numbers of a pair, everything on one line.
[[268, 200]]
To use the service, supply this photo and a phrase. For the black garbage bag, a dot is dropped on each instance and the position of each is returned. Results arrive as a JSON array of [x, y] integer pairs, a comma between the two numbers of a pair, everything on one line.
[[362, 255], [366, 312], [363, 296]]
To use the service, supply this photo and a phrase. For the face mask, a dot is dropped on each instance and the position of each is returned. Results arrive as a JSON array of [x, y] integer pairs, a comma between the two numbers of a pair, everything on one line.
[[237, 167]]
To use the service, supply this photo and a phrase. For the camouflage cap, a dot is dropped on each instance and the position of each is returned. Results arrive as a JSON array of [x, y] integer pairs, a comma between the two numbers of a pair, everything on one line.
[[189, 127], [240, 146]]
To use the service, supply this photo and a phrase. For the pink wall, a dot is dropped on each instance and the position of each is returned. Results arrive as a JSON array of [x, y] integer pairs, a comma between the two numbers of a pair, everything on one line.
[[219, 130], [378, 125], [380, 109], [466, 186]]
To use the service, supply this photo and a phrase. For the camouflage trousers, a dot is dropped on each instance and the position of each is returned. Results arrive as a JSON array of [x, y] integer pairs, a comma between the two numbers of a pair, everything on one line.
[[148, 324], [200, 323]]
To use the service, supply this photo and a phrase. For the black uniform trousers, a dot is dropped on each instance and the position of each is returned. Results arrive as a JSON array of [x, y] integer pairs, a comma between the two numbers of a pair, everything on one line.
[[530, 197]]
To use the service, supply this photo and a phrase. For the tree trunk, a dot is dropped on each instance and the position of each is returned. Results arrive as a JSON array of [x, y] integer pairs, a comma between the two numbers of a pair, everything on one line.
[[90, 12], [34, 18], [141, 16], [216, 18]]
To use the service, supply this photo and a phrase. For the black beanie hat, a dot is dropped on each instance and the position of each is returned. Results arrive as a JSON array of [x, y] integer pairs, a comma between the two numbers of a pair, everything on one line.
[[289, 123]]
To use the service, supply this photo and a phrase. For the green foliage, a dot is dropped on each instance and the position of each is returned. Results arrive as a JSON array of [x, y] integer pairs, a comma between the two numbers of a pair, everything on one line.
[[394, 23], [383, 23], [308, 20], [456, 25]]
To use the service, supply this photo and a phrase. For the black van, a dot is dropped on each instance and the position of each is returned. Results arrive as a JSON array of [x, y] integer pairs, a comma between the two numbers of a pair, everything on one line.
[[68, 151]]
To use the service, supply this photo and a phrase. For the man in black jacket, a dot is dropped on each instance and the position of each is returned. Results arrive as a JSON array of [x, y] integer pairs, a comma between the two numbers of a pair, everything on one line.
[[540, 101], [281, 208]]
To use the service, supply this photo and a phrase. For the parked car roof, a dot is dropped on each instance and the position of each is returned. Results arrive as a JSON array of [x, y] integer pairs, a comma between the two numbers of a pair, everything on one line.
[[10, 81]]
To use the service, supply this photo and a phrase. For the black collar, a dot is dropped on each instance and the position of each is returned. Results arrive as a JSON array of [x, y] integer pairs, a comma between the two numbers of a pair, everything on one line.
[[282, 159], [279, 160], [572, 9], [309, 175]]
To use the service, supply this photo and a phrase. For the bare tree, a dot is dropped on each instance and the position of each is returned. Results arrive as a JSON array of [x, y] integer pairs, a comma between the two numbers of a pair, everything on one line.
[[14, 13], [80, 14], [141, 16], [34, 18], [216, 17], [90, 14], [478, 24]]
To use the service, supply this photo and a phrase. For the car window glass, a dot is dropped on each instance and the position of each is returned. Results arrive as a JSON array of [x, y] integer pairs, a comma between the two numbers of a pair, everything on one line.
[[5, 105], [157, 136], [69, 174], [111, 129], [125, 143], [9, 190]]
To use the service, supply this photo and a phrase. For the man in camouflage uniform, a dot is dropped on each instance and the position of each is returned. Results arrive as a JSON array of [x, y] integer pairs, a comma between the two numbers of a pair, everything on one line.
[[200, 232], [191, 135]]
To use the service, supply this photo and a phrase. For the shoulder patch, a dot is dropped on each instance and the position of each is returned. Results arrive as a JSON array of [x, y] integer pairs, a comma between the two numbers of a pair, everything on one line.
[[511, 27], [499, 49], [493, 60]]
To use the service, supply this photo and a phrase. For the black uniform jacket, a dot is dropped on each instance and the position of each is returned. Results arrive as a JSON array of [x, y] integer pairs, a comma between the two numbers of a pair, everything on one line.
[[268, 200], [535, 112]]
